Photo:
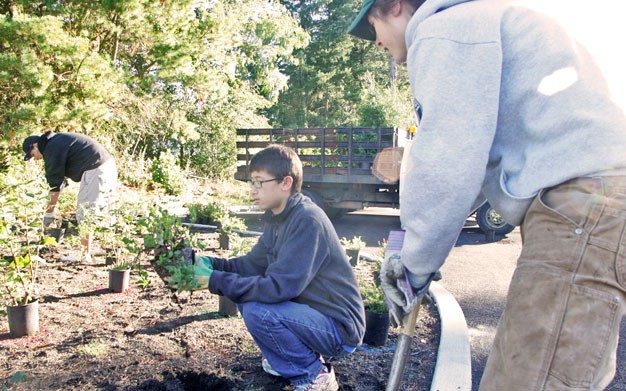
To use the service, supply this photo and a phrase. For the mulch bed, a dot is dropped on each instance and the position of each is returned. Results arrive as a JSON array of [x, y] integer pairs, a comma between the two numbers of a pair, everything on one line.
[[156, 339]]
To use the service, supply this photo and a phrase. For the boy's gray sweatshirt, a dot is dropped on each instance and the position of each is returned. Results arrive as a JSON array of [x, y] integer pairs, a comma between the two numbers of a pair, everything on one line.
[[508, 104]]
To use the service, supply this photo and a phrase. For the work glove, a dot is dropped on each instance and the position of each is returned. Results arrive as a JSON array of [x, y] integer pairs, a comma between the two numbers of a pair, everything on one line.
[[48, 218], [195, 277], [402, 296], [202, 270]]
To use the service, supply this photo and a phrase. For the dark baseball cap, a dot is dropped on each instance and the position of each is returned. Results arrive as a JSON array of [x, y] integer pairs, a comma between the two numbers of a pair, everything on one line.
[[361, 27], [27, 145]]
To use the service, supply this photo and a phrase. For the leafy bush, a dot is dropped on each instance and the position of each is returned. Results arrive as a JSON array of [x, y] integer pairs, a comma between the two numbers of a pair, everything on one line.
[[167, 173], [23, 195]]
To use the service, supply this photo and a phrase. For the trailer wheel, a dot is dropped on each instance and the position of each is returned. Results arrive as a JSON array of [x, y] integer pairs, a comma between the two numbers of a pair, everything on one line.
[[490, 220], [332, 213]]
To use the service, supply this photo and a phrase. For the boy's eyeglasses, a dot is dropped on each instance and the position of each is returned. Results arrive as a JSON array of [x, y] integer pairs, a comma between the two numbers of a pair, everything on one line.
[[259, 184]]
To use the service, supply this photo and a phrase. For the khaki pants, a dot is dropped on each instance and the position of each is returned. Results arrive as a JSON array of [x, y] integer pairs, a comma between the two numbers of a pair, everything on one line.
[[97, 189], [560, 327]]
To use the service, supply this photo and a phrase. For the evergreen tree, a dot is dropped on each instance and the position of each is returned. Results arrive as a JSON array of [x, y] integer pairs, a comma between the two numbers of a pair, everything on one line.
[[339, 80]]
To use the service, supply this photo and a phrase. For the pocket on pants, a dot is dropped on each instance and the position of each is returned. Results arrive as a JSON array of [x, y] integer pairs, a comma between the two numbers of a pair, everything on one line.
[[620, 261], [585, 334]]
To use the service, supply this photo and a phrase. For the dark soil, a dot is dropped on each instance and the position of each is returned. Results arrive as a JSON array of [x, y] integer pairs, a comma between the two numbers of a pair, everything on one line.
[[156, 339]]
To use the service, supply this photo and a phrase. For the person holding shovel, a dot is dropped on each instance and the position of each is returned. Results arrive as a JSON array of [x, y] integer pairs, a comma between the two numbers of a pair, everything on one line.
[[82, 159], [511, 109], [295, 289]]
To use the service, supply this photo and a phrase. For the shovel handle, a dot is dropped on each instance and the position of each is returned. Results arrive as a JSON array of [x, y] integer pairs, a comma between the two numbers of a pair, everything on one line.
[[410, 319], [403, 348]]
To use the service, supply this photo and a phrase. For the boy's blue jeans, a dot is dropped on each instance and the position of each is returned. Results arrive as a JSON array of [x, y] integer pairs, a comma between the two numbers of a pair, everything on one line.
[[560, 328], [292, 336]]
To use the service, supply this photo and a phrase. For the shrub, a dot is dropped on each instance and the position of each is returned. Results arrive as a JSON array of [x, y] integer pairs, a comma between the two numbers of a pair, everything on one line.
[[23, 195], [167, 173]]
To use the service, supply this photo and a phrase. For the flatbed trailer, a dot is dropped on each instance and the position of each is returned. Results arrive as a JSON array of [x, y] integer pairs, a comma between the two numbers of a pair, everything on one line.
[[338, 167]]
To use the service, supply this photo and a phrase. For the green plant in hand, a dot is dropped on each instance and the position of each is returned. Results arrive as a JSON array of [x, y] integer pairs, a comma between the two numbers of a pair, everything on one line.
[[171, 242]]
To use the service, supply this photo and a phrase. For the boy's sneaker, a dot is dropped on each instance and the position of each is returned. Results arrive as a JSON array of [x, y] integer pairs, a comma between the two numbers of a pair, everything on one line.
[[325, 381], [268, 368]]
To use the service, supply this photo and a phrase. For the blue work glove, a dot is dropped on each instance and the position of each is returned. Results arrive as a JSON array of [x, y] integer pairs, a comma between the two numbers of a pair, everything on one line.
[[202, 270], [401, 295]]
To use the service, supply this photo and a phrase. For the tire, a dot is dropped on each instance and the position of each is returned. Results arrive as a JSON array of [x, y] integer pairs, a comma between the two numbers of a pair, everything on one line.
[[332, 213], [489, 220]]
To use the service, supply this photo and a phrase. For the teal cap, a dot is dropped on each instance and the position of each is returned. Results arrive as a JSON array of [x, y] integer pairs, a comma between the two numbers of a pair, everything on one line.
[[361, 27]]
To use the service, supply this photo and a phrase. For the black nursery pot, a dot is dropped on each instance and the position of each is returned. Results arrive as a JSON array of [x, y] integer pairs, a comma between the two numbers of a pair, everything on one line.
[[119, 280], [227, 307], [376, 328], [353, 256], [23, 319]]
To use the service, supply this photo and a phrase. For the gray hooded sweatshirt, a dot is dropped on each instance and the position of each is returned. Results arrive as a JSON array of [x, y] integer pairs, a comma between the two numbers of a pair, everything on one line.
[[508, 104]]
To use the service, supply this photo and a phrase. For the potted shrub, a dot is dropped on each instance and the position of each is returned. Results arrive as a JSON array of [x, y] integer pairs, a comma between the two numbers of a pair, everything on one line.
[[353, 247], [376, 312], [227, 226], [22, 205], [116, 231]]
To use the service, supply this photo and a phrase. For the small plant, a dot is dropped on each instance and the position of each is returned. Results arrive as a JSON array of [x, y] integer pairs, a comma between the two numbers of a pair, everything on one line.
[[94, 349], [229, 223], [22, 204], [213, 212], [241, 246], [17, 377], [171, 242], [373, 298], [372, 293], [353, 244]]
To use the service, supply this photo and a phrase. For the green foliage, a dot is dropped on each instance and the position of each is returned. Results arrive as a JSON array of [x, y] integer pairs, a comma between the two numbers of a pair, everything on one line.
[[51, 77], [356, 243], [165, 234], [241, 246], [16, 378], [340, 80], [152, 76], [5, 159], [215, 211], [166, 173], [372, 293], [374, 298], [22, 205], [117, 232]]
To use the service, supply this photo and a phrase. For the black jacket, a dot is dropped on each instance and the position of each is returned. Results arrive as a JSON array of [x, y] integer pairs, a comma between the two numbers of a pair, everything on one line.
[[69, 155], [299, 258]]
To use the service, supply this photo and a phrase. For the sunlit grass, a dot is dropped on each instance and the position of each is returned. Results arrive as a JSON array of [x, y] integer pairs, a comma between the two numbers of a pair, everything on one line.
[[94, 349]]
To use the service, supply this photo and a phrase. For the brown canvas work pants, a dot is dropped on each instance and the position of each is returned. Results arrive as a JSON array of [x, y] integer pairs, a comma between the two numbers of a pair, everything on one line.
[[560, 327]]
